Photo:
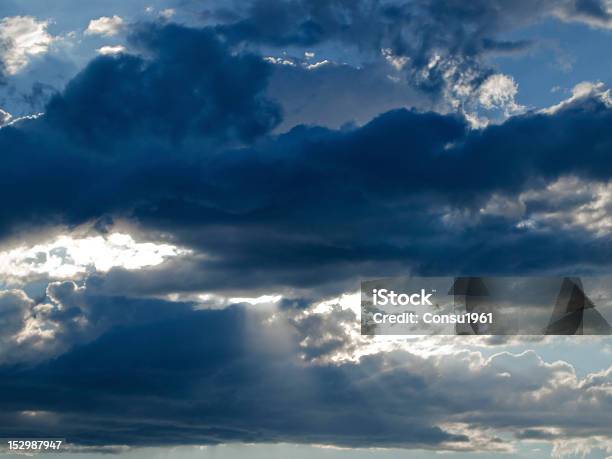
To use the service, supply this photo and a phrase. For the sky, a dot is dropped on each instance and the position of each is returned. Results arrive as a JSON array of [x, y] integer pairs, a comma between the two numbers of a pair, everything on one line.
[[193, 191]]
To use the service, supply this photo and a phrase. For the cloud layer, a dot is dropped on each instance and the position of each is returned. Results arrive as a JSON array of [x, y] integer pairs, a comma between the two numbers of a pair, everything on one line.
[[177, 137], [170, 375]]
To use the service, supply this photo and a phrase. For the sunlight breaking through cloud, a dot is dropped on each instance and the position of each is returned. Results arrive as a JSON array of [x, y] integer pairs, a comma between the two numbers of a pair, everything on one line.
[[67, 256]]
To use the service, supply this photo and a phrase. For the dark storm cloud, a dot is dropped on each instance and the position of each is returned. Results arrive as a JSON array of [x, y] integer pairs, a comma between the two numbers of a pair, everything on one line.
[[373, 24], [188, 86], [206, 377], [251, 268], [31, 90], [318, 206], [67, 315], [213, 376], [178, 139], [161, 139], [127, 95]]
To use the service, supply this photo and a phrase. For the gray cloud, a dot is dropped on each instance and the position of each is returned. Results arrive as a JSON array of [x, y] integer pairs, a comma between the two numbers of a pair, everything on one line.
[[174, 377], [445, 44]]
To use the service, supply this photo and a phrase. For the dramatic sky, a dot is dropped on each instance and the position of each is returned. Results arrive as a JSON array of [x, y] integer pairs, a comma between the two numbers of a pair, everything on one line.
[[193, 190]]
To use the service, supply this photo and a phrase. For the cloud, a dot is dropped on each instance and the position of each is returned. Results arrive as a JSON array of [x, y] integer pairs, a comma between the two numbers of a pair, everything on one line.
[[307, 22], [67, 315], [176, 93], [108, 50], [167, 13], [582, 93], [442, 48], [499, 91], [439, 52], [170, 366], [567, 203], [71, 256], [177, 139], [597, 13], [106, 26], [5, 117], [14, 305], [21, 39]]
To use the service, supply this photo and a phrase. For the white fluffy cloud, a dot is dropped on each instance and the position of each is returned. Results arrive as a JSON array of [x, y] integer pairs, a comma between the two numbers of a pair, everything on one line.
[[499, 91], [110, 50], [107, 26], [583, 91], [21, 38]]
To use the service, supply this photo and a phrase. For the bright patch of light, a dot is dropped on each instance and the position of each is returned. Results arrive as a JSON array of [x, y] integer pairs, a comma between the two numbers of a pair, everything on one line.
[[350, 301], [397, 62], [66, 257], [499, 91], [569, 203], [168, 13], [110, 50], [279, 61], [107, 26], [582, 91], [11, 121], [22, 37], [258, 300], [5, 117], [317, 65]]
